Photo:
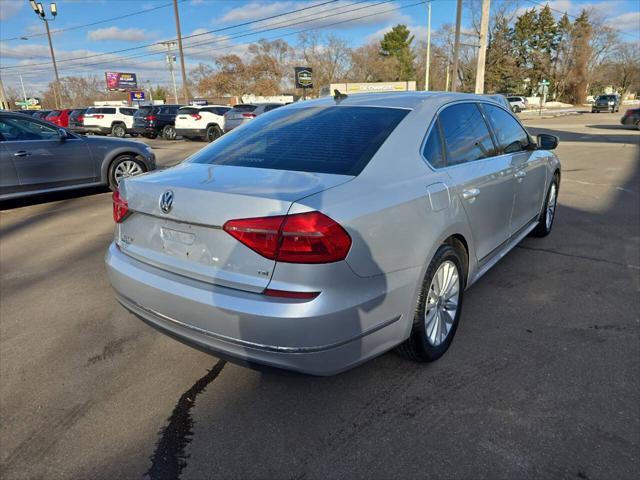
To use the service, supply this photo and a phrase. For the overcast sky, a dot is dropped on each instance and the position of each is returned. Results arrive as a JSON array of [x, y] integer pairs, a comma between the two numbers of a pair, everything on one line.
[[133, 36]]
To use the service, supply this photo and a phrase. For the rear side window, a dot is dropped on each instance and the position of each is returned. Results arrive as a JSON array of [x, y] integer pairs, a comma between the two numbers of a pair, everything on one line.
[[271, 107], [338, 140], [188, 110], [107, 110], [433, 147], [466, 135], [510, 135]]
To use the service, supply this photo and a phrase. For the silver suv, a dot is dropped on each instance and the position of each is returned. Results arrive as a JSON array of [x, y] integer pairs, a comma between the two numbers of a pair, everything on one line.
[[243, 113], [327, 232]]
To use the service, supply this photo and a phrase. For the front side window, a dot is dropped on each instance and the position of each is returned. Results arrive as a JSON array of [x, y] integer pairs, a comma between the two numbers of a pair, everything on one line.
[[510, 135], [466, 135], [24, 129], [336, 140]]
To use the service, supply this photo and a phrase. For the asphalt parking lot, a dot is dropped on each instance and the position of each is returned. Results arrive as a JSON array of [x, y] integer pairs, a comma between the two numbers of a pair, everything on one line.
[[542, 380]]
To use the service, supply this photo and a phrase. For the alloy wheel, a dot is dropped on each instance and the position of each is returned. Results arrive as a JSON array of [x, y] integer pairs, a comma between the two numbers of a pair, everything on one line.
[[125, 169], [442, 303], [551, 205]]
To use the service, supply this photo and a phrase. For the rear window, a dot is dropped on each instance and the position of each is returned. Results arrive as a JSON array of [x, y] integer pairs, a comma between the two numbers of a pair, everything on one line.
[[142, 111], [245, 108], [188, 110], [337, 140]]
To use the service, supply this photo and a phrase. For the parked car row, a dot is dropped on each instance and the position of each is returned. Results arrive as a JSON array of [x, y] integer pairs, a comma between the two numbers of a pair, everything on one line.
[[207, 122]]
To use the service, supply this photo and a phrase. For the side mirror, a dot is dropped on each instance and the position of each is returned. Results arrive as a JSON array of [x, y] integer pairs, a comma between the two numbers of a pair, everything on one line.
[[62, 133], [547, 142]]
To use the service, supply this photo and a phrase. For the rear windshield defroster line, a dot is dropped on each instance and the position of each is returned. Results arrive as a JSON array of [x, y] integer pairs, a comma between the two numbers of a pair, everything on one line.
[[337, 139]]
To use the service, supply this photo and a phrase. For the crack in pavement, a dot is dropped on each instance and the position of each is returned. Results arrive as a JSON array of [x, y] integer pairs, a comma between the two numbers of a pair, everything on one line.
[[169, 458], [583, 257]]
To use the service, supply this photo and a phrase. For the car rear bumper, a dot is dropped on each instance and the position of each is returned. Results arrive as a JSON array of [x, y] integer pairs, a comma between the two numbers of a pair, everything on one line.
[[96, 129], [190, 132], [601, 108], [78, 129], [143, 130], [251, 328]]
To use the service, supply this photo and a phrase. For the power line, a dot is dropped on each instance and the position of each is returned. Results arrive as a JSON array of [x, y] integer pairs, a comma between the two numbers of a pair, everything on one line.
[[78, 27], [546, 4], [184, 38], [271, 26], [272, 37]]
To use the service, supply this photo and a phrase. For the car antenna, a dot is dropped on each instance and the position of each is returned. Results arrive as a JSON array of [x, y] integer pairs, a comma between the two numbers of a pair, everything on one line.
[[338, 97]]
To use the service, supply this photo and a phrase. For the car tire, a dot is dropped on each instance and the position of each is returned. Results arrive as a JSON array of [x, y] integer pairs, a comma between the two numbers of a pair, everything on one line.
[[169, 132], [427, 342], [213, 133], [516, 109], [548, 213], [118, 130], [124, 164]]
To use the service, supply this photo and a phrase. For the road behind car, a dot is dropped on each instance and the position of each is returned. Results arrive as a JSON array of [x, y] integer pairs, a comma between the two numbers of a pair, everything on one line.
[[543, 379]]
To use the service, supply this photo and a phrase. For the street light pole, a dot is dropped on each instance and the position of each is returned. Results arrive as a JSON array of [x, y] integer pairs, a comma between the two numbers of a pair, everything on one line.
[[38, 9], [24, 93], [185, 88], [456, 48], [426, 70]]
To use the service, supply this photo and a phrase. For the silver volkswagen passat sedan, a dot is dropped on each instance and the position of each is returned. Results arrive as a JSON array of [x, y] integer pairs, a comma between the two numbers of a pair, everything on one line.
[[327, 232]]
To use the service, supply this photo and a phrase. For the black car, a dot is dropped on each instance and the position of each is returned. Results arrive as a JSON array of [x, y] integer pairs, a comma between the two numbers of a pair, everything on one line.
[[151, 121], [76, 120], [606, 103], [41, 114], [31, 113], [38, 157], [631, 118]]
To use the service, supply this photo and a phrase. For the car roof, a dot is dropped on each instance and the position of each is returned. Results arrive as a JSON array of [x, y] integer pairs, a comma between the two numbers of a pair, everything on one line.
[[408, 100], [202, 106]]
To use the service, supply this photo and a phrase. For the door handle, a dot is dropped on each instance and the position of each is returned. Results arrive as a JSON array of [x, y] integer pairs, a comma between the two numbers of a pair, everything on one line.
[[520, 174], [470, 193], [21, 153]]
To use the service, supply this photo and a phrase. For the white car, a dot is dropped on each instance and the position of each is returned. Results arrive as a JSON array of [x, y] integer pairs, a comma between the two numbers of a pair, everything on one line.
[[201, 122], [118, 121], [518, 104]]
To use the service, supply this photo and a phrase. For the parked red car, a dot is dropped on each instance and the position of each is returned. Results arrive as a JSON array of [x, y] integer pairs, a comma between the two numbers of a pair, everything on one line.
[[59, 117]]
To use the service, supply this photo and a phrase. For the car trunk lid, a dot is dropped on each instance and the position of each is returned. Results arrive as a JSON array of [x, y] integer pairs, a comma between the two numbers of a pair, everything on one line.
[[189, 240]]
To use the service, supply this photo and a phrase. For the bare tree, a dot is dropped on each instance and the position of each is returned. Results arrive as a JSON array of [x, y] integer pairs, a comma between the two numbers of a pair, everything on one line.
[[328, 56]]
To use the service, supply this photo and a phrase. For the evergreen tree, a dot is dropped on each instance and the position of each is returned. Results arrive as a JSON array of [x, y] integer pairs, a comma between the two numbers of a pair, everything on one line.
[[397, 43], [501, 71]]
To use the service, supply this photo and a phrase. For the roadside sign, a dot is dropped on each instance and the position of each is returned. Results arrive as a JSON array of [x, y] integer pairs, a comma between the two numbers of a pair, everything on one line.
[[199, 102], [304, 77], [137, 96]]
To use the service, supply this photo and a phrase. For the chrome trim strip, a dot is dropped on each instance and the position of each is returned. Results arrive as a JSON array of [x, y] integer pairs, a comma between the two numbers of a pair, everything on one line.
[[132, 306], [182, 222]]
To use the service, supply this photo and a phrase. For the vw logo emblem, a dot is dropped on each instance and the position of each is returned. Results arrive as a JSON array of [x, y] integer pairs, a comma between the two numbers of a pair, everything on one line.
[[166, 201]]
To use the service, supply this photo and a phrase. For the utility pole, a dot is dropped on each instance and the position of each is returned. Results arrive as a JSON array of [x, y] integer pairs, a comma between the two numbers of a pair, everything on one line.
[[38, 9], [426, 70], [456, 48], [24, 93], [185, 88], [482, 52], [171, 58], [4, 101]]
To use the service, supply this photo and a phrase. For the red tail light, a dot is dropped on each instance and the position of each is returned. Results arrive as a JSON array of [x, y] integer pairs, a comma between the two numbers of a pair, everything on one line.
[[300, 238], [120, 207], [150, 118], [80, 118], [286, 294], [249, 115], [197, 116], [98, 116]]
